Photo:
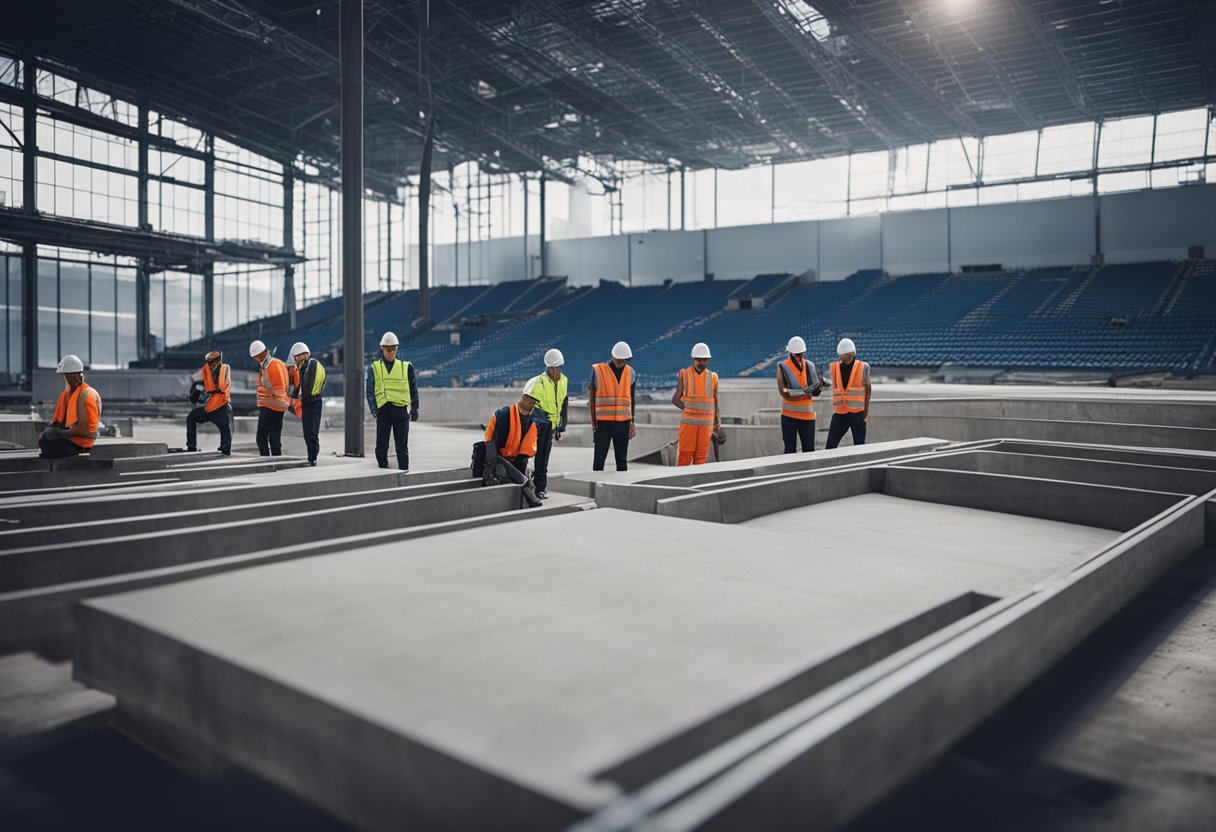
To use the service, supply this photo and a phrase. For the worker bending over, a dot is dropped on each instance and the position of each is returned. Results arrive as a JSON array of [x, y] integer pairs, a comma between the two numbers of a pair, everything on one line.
[[798, 381], [850, 395], [612, 405], [272, 399], [73, 428], [510, 442], [392, 396], [550, 391], [697, 395], [214, 404], [307, 386]]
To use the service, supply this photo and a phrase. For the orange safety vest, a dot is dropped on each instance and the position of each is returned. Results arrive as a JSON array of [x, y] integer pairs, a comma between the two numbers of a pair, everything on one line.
[[613, 399], [274, 397], [800, 406], [519, 441], [68, 408], [697, 392], [218, 389], [853, 399]]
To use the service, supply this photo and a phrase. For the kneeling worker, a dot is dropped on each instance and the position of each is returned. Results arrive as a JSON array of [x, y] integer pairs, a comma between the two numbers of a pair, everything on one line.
[[798, 381], [510, 442], [850, 396], [697, 395], [215, 406], [272, 399], [392, 387], [307, 386], [550, 390], [73, 428]]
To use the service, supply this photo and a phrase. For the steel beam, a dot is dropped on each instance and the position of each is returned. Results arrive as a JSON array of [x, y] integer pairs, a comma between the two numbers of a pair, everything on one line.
[[351, 34]]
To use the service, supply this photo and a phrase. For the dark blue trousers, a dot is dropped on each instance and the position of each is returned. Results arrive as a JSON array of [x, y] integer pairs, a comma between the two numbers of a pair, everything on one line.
[[221, 418], [842, 423], [393, 419], [310, 415]]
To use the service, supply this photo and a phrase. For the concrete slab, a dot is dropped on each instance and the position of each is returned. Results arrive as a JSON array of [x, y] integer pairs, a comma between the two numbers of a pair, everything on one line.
[[515, 677]]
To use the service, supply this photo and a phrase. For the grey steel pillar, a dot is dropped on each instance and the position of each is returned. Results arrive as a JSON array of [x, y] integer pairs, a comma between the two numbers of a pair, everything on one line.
[[209, 233], [424, 174], [289, 242], [352, 219], [29, 204], [544, 255], [143, 271]]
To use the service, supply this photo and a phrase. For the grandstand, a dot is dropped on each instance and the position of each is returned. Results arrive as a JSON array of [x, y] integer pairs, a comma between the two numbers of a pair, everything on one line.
[[1153, 316]]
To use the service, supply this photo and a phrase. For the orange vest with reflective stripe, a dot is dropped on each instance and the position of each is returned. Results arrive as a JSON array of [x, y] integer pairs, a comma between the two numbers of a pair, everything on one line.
[[799, 406], [613, 399], [218, 388], [520, 442], [853, 399], [272, 386], [67, 409], [697, 391]]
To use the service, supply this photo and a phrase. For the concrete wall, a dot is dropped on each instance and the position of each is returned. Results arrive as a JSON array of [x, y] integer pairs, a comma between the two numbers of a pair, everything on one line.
[[1143, 225], [1158, 225]]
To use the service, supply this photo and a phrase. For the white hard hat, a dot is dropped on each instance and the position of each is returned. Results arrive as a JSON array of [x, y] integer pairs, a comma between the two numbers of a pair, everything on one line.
[[256, 349], [299, 347], [70, 364], [388, 339], [554, 358], [846, 346], [530, 387], [796, 345], [621, 351], [700, 350]]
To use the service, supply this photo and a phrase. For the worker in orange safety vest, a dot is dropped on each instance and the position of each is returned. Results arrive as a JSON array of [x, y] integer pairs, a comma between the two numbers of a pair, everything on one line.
[[697, 396], [73, 428], [272, 399]]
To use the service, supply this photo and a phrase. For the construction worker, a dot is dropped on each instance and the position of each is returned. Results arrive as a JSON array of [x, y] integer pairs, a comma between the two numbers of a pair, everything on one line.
[[392, 396], [307, 386], [612, 407], [850, 395], [550, 390], [798, 381], [510, 441], [697, 396], [272, 399], [214, 404], [73, 427]]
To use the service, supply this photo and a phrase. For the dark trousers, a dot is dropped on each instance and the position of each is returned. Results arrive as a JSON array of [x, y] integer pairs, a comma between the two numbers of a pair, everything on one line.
[[394, 419], [514, 470], [221, 418], [842, 423], [57, 448], [616, 434], [310, 415], [270, 432], [793, 430], [544, 447]]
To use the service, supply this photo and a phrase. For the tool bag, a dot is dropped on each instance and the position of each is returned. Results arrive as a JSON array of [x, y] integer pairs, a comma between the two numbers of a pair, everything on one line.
[[478, 464]]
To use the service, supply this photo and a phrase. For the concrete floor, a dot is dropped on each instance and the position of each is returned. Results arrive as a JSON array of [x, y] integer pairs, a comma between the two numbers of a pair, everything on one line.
[[665, 623]]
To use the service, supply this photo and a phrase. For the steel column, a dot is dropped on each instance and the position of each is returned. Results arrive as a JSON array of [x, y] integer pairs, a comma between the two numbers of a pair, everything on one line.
[[351, 36]]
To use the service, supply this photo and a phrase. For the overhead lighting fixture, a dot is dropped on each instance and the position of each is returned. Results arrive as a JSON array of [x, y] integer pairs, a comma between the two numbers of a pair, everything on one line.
[[485, 90]]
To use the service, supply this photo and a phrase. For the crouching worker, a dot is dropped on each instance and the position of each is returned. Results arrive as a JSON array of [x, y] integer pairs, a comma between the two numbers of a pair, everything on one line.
[[214, 402], [510, 443], [73, 428]]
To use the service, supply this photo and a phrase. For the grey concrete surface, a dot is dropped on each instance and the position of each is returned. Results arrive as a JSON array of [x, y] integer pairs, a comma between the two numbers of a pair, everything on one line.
[[745, 502], [549, 678], [1174, 479], [206, 537], [18, 431], [42, 618], [1111, 739], [1102, 506], [822, 764]]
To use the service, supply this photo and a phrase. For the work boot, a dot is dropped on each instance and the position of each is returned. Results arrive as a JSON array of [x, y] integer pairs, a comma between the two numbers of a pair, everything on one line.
[[530, 495], [544, 495]]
